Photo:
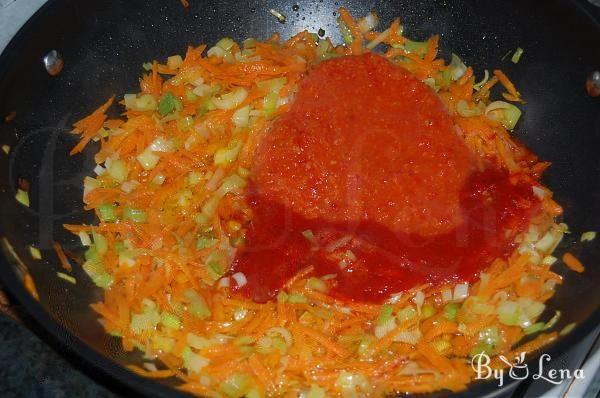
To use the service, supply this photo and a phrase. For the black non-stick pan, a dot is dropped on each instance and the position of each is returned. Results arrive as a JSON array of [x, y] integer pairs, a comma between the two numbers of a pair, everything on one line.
[[104, 43]]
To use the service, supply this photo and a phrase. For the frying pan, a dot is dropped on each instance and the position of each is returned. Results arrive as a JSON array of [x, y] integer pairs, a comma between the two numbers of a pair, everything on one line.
[[104, 44]]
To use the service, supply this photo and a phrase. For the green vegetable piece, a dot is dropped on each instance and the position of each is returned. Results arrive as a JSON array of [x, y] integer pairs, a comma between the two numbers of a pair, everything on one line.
[[108, 212], [169, 104]]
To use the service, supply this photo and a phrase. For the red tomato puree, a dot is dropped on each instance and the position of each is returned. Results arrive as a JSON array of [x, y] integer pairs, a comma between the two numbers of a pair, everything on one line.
[[368, 161]]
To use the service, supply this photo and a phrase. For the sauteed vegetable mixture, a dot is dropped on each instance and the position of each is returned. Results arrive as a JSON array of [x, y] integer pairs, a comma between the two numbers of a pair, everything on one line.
[[299, 218]]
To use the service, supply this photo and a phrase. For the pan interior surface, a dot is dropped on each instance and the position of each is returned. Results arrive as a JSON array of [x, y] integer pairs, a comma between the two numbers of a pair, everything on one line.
[[104, 45]]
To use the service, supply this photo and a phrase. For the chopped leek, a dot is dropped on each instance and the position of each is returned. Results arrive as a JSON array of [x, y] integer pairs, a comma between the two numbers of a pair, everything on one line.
[[517, 55], [107, 212], [97, 273], [145, 102], [316, 392], [192, 361], [385, 314], [225, 43], [169, 104], [148, 159], [118, 170], [272, 85], [100, 243], [234, 183], [135, 215], [241, 117], [427, 311], [417, 47], [6, 149], [22, 197], [174, 62], [451, 310], [170, 321], [67, 278], [236, 385], [280, 17], [198, 306], [507, 114], [588, 236], [317, 285], [35, 253], [231, 100], [457, 68]]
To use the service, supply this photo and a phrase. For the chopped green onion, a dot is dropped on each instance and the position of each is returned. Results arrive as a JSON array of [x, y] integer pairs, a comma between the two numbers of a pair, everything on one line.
[[22, 197], [147, 66], [135, 215], [66, 277], [107, 212], [35, 253], [517, 55], [169, 104]]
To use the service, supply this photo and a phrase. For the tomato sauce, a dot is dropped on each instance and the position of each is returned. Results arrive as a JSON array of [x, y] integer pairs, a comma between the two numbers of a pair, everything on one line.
[[368, 161]]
